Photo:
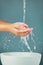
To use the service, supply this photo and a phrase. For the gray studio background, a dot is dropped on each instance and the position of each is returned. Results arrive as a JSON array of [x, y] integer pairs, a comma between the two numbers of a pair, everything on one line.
[[12, 11]]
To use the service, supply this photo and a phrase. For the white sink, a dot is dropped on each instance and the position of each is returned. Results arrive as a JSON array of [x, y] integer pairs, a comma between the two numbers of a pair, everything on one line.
[[20, 58]]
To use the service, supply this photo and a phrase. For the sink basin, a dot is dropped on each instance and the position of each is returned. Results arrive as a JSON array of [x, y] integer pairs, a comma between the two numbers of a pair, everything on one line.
[[20, 58]]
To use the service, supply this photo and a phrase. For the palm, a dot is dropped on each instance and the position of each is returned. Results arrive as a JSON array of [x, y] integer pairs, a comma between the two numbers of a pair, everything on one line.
[[20, 29]]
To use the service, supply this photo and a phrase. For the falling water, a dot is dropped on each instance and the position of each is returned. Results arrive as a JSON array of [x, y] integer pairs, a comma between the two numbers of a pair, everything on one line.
[[24, 10], [24, 39], [33, 40]]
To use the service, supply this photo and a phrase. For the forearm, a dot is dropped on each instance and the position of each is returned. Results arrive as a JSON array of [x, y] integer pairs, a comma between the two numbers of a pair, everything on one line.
[[4, 25]]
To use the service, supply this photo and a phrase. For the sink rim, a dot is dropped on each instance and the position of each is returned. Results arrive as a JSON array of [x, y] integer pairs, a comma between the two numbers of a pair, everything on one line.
[[20, 54]]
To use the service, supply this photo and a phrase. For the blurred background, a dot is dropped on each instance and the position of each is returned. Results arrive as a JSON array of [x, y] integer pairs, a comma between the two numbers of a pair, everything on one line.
[[12, 11]]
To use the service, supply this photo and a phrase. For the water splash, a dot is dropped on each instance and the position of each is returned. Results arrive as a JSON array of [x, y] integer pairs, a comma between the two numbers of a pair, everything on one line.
[[24, 40], [33, 40]]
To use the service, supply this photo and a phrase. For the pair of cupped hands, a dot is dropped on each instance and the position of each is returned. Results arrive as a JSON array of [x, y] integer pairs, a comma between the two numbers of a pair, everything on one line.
[[18, 28]]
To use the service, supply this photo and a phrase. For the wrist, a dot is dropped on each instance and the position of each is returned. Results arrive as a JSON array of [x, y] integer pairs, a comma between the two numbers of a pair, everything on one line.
[[7, 27], [4, 26]]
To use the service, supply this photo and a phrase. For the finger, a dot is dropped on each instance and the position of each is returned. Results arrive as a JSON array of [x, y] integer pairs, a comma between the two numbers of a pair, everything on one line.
[[26, 33], [24, 25], [20, 33], [30, 29], [20, 24], [23, 34], [25, 30]]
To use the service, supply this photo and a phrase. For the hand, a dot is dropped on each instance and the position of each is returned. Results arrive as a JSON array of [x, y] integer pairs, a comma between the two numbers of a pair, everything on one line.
[[19, 29]]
